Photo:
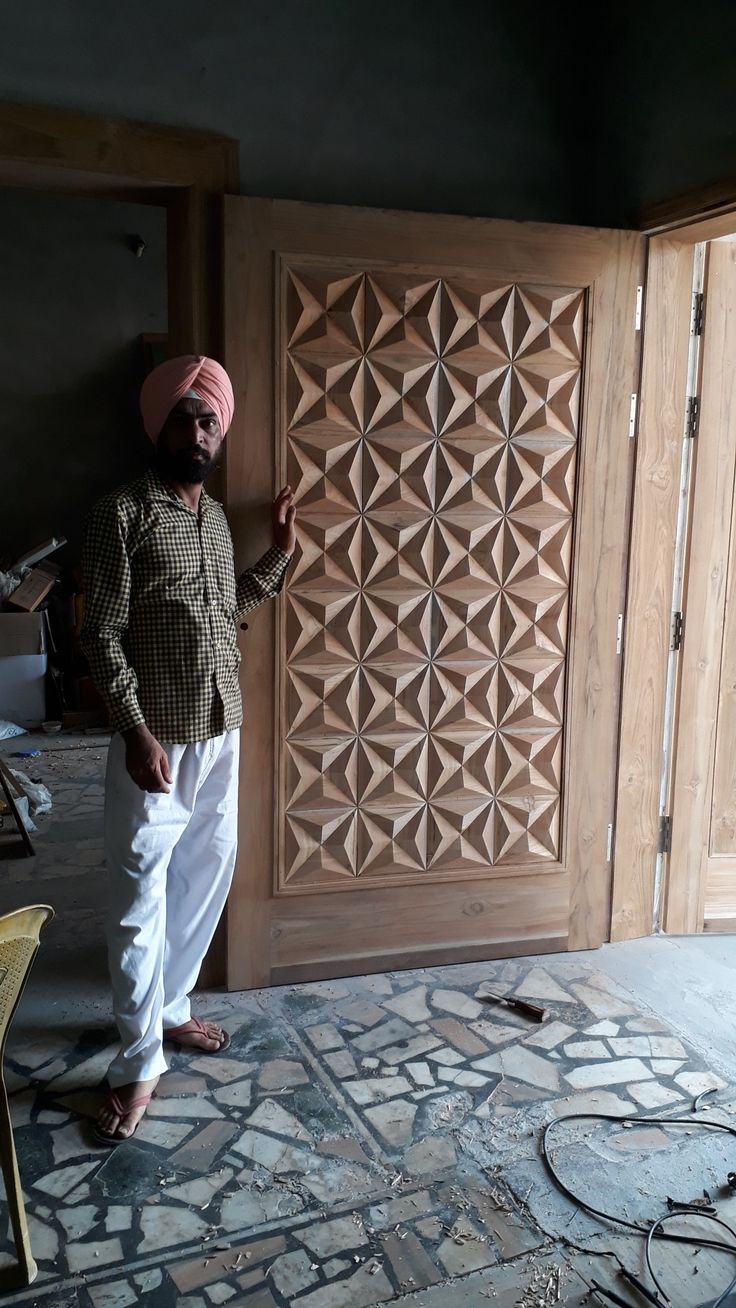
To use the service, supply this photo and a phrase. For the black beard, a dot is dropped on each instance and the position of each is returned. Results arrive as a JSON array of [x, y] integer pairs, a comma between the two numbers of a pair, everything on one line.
[[184, 468]]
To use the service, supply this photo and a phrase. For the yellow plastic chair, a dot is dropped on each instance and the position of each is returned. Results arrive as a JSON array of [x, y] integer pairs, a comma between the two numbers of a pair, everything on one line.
[[19, 940]]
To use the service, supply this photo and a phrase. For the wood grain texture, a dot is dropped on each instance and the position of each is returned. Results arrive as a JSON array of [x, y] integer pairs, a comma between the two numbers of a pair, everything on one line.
[[600, 550], [59, 148], [722, 843], [703, 203], [649, 596], [719, 898], [429, 426], [401, 959], [706, 229], [511, 251], [704, 602], [250, 464], [314, 930], [316, 927]]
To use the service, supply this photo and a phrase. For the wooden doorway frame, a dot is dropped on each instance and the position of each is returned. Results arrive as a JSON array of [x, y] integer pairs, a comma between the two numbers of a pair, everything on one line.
[[673, 228], [183, 171], [187, 173]]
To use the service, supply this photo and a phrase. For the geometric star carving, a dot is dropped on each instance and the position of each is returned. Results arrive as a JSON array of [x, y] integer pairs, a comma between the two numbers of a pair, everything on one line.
[[429, 428]]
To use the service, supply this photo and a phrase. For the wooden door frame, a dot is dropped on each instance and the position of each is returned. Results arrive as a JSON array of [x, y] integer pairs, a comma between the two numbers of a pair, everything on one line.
[[673, 229], [182, 170], [186, 172]]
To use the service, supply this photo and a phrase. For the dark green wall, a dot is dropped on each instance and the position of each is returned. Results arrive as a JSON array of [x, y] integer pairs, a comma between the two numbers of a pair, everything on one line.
[[75, 301], [509, 108], [576, 112]]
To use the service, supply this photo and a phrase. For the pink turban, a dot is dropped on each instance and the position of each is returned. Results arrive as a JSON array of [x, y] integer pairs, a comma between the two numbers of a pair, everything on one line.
[[167, 384]]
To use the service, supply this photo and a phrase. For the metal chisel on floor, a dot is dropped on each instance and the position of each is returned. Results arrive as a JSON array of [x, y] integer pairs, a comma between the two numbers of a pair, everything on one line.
[[533, 1011]]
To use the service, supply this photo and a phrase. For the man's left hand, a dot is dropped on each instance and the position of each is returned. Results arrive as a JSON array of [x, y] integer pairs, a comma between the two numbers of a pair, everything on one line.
[[284, 521]]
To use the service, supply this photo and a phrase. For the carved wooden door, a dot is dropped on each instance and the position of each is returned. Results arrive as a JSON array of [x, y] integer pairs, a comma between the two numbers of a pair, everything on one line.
[[431, 706]]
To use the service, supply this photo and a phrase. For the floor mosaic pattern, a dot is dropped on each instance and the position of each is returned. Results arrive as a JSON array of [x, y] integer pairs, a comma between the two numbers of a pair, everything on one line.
[[367, 1141], [330, 1157]]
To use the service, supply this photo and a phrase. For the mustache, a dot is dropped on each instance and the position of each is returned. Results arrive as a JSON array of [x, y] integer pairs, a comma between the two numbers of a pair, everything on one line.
[[191, 465]]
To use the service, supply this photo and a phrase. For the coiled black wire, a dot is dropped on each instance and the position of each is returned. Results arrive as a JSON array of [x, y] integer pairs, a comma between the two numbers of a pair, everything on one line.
[[651, 1230], [708, 1217]]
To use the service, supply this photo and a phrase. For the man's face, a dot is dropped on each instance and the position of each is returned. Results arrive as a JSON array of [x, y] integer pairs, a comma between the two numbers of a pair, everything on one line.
[[189, 444]]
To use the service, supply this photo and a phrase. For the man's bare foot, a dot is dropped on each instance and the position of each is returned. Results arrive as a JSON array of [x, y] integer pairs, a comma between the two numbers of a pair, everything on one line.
[[121, 1126], [198, 1034]]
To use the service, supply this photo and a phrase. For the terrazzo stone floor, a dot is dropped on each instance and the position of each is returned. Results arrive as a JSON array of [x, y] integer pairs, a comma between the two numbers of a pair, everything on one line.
[[373, 1140]]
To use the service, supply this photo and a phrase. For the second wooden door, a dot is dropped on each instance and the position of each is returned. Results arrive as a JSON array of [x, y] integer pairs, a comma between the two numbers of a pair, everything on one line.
[[701, 876]]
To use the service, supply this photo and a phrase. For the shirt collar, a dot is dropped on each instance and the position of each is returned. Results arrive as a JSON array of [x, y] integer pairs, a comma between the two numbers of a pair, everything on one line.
[[156, 489]]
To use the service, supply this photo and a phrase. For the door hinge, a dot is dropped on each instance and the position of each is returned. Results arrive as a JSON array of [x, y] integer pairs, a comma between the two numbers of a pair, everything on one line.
[[696, 325], [676, 630], [632, 415], [693, 416], [637, 311], [609, 843], [619, 633], [664, 841]]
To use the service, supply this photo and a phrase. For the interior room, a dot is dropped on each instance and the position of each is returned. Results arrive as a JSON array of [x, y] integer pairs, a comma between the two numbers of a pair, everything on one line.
[[367, 840]]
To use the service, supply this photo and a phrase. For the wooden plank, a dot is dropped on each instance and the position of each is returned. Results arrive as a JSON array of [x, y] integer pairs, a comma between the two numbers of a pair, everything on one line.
[[706, 229], [357, 965], [704, 600], [64, 143], [649, 598], [324, 929], [597, 597], [702, 202], [720, 889], [512, 251], [722, 825], [250, 471]]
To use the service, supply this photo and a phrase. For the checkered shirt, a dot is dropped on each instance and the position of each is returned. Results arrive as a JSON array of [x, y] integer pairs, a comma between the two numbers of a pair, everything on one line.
[[161, 603]]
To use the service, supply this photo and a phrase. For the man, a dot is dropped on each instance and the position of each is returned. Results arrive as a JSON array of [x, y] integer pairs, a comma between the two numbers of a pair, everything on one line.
[[162, 602]]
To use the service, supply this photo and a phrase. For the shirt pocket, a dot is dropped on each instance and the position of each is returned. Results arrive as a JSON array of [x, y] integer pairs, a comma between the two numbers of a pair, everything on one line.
[[168, 562]]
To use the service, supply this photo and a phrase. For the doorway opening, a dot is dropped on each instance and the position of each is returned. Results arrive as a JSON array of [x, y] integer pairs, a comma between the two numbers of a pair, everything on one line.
[[673, 855]]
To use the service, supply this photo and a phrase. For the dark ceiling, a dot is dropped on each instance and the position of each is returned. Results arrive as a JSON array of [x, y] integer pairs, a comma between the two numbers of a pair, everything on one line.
[[572, 113]]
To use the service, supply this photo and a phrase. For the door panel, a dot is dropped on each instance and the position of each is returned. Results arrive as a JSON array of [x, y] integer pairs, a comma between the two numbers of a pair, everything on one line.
[[430, 712], [701, 883], [425, 631]]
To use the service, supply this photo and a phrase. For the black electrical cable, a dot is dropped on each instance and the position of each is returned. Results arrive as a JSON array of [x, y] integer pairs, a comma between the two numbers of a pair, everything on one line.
[[656, 1228], [708, 1217], [639, 1227], [640, 1286]]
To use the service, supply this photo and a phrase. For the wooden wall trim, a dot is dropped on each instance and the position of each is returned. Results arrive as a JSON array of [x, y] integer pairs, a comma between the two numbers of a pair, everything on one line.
[[72, 148], [398, 960], [690, 206], [649, 600], [610, 379], [249, 454]]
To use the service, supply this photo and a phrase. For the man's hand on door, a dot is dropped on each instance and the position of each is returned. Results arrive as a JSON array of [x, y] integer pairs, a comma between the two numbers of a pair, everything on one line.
[[284, 521]]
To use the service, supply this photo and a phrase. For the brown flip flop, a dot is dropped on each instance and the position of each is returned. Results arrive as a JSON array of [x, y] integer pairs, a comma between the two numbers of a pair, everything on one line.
[[196, 1024], [114, 1102]]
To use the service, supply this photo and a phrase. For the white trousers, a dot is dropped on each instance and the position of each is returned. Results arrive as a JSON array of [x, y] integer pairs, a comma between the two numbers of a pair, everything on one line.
[[170, 862]]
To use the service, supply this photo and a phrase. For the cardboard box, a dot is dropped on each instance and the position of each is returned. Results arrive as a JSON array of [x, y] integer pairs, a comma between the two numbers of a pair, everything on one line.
[[34, 588], [23, 663]]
